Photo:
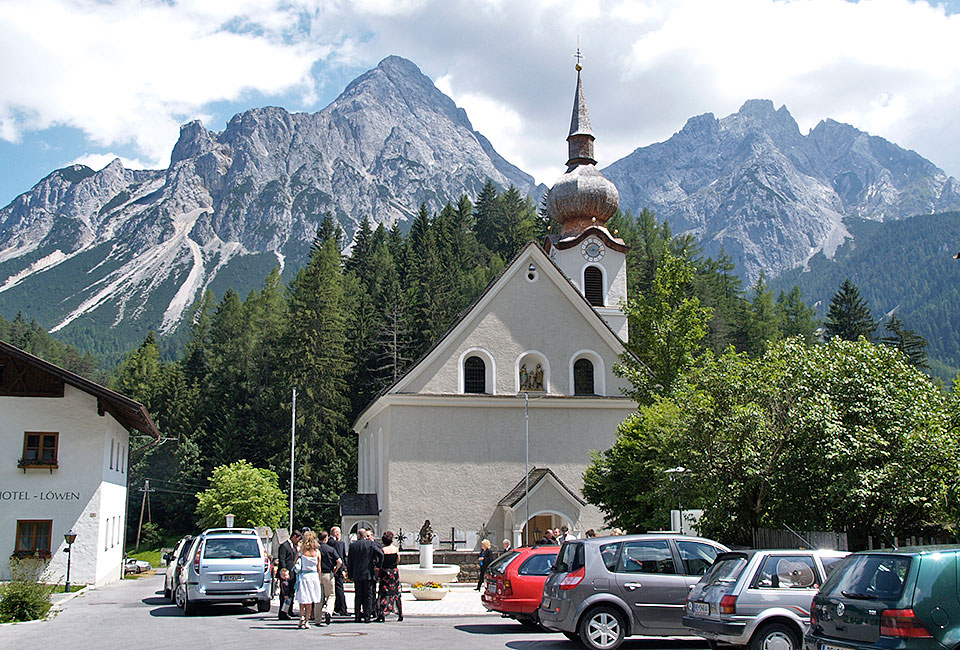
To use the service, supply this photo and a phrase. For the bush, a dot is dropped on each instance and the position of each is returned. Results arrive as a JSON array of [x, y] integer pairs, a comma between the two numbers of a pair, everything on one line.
[[150, 535], [25, 597]]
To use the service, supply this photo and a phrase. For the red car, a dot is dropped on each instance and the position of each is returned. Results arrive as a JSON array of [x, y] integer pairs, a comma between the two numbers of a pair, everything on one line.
[[514, 582]]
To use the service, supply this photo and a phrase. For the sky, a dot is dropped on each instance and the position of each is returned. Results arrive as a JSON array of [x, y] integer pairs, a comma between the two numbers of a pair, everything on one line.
[[87, 81]]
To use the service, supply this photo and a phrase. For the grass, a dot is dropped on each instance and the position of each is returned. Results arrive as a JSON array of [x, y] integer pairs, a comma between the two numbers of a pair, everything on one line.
[[62, 589], [151, 556]]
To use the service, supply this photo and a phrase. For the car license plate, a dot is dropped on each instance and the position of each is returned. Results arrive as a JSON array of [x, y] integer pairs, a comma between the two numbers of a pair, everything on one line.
[[545, 604], [704, 608], [231, 577], [491, 587], [827, 646]]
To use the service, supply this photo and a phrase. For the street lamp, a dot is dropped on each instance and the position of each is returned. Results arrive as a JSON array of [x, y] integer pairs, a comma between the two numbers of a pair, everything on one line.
[[675, 472], [69, 537]]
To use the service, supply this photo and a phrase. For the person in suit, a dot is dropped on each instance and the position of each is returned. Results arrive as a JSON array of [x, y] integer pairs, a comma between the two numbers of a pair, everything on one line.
[[340, 600], [363, 559], [287, 557]]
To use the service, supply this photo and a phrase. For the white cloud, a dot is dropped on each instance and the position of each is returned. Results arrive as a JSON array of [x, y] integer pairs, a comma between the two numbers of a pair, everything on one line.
[[129, 72], [98, 161]]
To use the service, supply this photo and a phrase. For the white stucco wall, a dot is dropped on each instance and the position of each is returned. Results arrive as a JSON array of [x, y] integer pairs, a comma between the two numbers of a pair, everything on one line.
[[452, 462], [83, 493], [524, 316], [614, 268]]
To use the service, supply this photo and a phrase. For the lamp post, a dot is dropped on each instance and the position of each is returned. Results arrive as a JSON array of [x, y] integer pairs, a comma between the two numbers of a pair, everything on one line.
[[526, 460], [673, 473], [69, 537]]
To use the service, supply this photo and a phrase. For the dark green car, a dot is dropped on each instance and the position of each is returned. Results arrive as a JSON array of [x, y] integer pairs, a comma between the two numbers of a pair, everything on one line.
[[906, 599]]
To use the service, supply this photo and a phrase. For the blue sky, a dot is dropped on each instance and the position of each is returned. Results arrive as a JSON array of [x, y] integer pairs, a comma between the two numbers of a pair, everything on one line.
[[88, 80]]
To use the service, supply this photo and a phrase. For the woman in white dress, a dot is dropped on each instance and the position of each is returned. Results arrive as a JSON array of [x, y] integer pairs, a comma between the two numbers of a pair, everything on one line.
[[308, 590]]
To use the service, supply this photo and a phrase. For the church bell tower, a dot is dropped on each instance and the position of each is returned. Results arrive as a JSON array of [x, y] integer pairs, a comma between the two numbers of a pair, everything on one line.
[[582, 201]]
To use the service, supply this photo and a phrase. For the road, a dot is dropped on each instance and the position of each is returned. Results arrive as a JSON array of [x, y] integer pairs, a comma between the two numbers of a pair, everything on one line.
[[134, 614]]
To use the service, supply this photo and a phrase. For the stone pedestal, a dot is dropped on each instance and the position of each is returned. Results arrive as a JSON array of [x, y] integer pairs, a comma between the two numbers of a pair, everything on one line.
[[426, 556]]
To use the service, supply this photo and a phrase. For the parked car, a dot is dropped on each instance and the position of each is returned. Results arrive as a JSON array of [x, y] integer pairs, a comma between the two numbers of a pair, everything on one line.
[[606, 588], [133, 565], [225, 565], [175, 559], [759, 598], [514, 582], [906, 599]]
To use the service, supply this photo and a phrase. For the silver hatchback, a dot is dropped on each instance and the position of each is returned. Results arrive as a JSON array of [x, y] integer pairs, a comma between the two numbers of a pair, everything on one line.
[[759, 598], [606, 588], [225, 565]]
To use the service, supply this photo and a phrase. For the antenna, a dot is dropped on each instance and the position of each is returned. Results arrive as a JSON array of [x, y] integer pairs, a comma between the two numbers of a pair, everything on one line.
[[799, 536]]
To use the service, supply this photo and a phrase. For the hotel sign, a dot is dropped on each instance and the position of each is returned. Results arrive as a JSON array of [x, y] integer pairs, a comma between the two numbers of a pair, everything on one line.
[[27, 495]]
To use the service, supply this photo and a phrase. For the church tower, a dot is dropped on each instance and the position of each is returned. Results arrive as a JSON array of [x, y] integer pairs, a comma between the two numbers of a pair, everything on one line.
[[582, 201]]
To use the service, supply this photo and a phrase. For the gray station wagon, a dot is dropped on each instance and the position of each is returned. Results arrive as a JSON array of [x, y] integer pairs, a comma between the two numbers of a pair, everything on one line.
[[606, 588], [225, 565], [759, 598]]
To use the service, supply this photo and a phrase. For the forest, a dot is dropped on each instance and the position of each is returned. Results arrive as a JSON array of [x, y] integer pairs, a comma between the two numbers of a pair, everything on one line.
[[347, 326]]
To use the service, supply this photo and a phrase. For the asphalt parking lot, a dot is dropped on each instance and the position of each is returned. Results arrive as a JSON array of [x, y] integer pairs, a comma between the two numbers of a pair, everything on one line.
[[134, 614]]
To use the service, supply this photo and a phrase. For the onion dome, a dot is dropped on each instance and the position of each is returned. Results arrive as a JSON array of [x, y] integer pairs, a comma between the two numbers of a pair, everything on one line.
[[581, 197]]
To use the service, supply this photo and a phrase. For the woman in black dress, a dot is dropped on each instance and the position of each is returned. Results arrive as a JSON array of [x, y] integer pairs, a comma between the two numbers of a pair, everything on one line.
[[486, 556], [388, 599]]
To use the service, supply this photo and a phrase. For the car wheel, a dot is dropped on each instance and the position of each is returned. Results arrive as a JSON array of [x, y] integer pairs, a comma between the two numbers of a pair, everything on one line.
[[263, 606], [602, 628], [167, 592], [775, 636], [180, 596]]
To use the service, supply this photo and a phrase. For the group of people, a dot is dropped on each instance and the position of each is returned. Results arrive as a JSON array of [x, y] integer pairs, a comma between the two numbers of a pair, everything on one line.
[[312, 568]]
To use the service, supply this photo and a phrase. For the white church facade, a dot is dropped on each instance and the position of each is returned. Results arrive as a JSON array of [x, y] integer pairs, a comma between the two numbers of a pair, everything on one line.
[[521, 385]]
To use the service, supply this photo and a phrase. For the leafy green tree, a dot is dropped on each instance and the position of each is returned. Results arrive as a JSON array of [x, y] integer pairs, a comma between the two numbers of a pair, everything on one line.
[[913, 346], [249, 493], [667, 327], [849, 317]]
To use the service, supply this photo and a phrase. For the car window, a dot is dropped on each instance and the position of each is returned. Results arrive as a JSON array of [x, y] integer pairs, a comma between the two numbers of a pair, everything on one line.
[[830, 563], [697, 557], [877, 577], [500, 564], [646, 556], [608, 553], [725, 570], [570, 557], [786, 572], [538, 565], [230, 548]]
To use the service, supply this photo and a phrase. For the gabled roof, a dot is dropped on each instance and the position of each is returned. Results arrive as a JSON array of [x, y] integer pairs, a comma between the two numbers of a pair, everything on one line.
[[129, 413], [551, 270], [359, 505], [537, 474]]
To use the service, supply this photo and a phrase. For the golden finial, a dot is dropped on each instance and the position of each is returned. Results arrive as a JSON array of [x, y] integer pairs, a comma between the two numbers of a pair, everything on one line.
[[578, 55]]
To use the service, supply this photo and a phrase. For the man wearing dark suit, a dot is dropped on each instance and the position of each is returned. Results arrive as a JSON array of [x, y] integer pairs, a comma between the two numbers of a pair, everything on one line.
[[363, 558], [287, 557], [340, 601]]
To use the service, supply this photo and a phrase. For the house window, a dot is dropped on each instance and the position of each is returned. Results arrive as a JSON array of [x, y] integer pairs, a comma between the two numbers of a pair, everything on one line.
[[111, 454], [474, 375], [33, 536], [39, 449], [593, 285], [583, 377]]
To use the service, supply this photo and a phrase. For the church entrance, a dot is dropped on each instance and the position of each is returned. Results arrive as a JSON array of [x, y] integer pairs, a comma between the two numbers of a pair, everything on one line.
[[533, 531]]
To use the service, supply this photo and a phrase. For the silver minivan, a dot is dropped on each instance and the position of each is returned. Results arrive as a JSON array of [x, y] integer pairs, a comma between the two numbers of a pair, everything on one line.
[[225, 565], [759, 598], [606, 588]]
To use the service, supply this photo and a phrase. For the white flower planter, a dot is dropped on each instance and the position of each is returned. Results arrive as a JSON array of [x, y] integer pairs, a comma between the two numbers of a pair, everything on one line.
[[429, 593]]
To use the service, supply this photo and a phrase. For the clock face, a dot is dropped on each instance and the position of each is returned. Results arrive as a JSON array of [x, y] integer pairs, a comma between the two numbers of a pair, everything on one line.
[[592, 249]]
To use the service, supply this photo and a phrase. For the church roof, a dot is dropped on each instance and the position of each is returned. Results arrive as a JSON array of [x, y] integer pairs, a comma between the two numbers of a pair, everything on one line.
[[359, 505], [24, 375], [565, 284], [537, 474]]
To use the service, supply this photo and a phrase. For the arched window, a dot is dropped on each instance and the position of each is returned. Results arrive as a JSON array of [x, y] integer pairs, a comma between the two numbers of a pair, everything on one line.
[[474, 375], [583, 377], [593, 285]]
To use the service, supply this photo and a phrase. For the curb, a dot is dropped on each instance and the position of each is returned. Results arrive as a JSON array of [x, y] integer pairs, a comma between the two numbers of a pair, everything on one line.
[[55, 607]]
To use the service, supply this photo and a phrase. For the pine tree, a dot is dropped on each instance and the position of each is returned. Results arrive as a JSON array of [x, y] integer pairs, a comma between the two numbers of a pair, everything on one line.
[[796, 318], [763, 325], [849, 317], [913, 346]]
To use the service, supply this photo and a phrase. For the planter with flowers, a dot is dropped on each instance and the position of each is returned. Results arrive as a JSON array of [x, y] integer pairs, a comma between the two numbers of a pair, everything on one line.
[[428, 591]]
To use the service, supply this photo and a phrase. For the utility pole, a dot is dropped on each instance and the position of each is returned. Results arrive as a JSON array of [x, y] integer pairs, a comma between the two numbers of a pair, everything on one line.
[[293, 437], [146, 490]]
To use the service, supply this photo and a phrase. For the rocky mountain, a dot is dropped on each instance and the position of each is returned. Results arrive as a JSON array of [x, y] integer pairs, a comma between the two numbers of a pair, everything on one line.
[[85, 251], [752, 184]]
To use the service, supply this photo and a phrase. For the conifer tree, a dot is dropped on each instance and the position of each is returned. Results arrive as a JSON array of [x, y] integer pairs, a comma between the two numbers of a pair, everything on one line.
[[763, 325], [913, 346], [849, 317], [796, 318]]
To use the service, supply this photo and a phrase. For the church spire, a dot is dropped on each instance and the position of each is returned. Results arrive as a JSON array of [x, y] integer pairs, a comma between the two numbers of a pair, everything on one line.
[[580, 140]]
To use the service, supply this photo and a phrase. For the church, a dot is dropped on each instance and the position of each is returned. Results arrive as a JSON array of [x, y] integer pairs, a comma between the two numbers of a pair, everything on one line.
[[488, 435]]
